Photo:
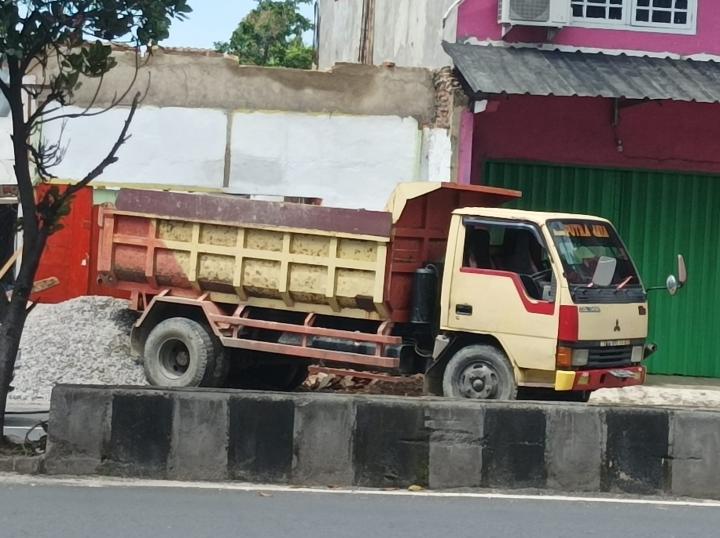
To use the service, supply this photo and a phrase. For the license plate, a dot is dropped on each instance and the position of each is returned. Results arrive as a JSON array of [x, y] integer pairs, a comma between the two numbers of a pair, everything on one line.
[[612, 343], [622, 374]]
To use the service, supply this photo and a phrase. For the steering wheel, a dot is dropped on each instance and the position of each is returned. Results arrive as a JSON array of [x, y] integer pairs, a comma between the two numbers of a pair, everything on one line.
[[539, 274]]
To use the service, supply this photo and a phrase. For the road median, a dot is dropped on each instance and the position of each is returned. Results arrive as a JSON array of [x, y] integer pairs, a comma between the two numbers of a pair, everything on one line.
[[310, 439]]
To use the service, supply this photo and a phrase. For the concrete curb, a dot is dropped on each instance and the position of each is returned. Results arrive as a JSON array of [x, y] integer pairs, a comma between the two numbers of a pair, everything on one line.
[[341, 440], [22, 464]]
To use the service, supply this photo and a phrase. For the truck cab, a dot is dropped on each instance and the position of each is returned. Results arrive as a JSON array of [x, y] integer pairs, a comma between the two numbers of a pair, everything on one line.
[[539, 300]]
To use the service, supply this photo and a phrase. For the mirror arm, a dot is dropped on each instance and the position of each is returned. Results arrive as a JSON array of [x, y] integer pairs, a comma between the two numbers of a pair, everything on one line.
[[656, 288]]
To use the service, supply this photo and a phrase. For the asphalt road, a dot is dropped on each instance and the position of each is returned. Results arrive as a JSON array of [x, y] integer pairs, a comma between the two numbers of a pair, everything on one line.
[[48, 510]]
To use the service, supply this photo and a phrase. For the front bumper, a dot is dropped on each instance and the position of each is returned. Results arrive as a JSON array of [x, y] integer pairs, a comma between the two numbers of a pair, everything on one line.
[[605, 378]]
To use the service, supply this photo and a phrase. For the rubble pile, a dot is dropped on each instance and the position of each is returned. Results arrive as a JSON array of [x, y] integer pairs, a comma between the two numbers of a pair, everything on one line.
[[348, 384], [85, 341]]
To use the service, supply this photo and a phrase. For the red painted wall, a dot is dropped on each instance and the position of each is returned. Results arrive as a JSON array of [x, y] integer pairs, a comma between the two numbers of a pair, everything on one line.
[[71, 254], [571, 130], [67, 254]]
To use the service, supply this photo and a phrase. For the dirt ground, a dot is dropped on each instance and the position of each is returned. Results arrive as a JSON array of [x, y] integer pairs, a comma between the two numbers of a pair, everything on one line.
[[658, 391]]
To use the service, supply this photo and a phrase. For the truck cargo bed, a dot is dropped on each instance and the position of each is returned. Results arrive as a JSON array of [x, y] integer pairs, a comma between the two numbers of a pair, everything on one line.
[[308, 258]]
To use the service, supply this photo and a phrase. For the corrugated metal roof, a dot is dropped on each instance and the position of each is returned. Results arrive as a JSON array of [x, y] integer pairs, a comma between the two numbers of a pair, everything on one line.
[[532, 71]]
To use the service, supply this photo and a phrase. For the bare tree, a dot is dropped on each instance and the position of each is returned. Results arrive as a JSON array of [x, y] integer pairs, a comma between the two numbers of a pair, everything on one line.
[[62, 43]]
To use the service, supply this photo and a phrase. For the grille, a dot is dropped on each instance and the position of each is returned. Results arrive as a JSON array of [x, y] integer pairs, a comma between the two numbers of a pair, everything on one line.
[[609, 356], [530, 10]]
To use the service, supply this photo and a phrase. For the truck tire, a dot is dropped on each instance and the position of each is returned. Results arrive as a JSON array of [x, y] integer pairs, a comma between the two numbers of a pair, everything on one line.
[[179, 352], [479, 372], [221, 370]]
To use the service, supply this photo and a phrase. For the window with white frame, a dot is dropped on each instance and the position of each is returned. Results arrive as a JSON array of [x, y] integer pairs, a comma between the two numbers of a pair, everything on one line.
[[668, 15], [601, 10]]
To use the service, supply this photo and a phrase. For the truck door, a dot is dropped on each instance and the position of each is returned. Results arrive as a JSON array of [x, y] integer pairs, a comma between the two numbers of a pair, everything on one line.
[[503, 283]]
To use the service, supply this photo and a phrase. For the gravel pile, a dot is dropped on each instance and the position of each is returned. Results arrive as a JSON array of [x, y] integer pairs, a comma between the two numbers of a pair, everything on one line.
[[666, 395], [85, 341]]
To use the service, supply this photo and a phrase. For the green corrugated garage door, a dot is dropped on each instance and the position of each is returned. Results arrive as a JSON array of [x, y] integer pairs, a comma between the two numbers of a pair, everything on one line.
[[659, 215]]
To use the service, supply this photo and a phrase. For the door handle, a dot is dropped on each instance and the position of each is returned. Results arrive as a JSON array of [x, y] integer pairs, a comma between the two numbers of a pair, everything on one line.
[[463, 309]]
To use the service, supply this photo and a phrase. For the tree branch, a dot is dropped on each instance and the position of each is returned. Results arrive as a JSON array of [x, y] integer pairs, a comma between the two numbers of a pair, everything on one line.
[[110, 158], [115, 102], [19, 139]]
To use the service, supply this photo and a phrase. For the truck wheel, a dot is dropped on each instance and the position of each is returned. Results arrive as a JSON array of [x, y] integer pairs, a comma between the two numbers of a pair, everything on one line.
[[479, 372], [179, 352]]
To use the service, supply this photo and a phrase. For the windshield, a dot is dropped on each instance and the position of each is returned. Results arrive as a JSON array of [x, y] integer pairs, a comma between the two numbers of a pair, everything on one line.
[[581, 244]]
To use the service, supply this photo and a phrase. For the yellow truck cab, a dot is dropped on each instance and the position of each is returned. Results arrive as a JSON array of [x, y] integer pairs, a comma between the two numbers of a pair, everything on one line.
[[555, 298]]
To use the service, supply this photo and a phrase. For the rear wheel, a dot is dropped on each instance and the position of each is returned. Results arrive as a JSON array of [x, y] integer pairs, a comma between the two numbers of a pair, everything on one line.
[[180, 352], [479, 372]]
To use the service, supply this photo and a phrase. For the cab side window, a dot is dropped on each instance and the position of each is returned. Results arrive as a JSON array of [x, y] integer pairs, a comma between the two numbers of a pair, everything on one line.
[[500, 247]]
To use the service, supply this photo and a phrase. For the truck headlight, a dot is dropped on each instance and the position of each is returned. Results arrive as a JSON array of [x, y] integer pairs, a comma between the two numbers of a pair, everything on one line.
[[580, 357], [637, 354]]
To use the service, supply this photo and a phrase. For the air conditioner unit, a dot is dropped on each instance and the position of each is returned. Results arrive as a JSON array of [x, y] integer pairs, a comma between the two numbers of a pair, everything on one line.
[[553, 13]]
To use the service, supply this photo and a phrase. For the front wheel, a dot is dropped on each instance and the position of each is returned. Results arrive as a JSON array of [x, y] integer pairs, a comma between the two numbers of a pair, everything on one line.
[[479, 372]]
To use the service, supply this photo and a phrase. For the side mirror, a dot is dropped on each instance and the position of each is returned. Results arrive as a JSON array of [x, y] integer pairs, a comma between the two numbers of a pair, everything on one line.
[[604, 271], [682, 270], [673, 283]]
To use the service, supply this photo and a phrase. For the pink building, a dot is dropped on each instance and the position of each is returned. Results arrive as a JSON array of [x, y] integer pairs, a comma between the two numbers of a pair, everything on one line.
[[607, 107], [679, 27], [645, 131]]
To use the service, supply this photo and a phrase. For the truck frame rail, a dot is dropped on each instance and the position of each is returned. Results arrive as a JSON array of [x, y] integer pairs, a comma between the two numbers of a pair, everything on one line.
[[231, 332]]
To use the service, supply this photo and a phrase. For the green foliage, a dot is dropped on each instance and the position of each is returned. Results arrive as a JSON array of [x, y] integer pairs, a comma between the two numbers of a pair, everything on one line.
[[271, 34], [28, 27]]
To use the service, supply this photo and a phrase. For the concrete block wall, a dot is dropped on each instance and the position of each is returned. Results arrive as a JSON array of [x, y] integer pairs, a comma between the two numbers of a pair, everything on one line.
[[339, 440], [347, 136]]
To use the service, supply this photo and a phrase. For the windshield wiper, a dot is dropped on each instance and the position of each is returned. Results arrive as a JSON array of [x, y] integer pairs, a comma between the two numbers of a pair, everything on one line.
[[624, 283]]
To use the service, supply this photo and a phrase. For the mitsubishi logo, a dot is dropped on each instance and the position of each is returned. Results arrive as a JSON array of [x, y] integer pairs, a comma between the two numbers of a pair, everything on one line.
[[617, 326]]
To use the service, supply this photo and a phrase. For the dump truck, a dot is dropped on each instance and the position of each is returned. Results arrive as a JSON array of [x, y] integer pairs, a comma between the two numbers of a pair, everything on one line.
[[482, 300]]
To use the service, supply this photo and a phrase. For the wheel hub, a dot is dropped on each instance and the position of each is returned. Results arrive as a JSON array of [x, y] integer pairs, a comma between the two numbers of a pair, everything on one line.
[[174, 358], [182, 359], [479, 381]]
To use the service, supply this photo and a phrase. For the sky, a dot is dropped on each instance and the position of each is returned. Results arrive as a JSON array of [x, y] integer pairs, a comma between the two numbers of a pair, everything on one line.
[[211, 21]]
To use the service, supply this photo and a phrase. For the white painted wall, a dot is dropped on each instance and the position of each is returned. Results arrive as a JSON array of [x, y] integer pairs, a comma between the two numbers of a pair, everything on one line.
[[436, 155], [180, 146], [347, 160], [7, 160], [351, 161]]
